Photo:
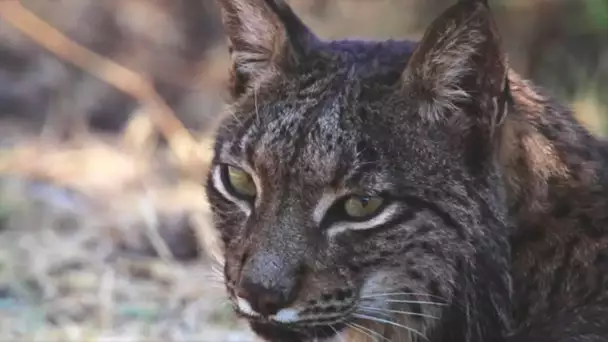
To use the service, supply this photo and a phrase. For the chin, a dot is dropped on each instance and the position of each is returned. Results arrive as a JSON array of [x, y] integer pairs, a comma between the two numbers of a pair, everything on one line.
[[273, 332]]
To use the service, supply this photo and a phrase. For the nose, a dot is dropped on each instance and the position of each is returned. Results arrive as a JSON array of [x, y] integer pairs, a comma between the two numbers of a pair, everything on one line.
[[265, 300], [270, 282]]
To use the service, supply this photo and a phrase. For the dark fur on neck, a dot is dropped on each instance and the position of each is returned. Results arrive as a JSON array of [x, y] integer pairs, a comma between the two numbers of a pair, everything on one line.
[[558, 193]]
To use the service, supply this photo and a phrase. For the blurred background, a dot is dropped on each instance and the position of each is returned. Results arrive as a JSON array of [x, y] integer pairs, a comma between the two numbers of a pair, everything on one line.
[[105, 140]]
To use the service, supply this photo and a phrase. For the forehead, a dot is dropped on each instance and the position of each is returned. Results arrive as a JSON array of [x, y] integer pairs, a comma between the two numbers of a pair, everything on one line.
[[303, 132], [318, 122]]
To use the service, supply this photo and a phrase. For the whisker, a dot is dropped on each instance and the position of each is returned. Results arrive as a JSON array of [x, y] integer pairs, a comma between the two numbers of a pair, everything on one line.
[[337, 333], [215, 275], [257, 110], [217, 271], [398, 312], [212, 280], [368, 332], [350, 325], [415, 302], [385, 321], [233, 114], [389, 294]]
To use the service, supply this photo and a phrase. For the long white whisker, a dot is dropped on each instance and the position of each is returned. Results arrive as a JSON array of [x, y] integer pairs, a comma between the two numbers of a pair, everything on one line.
[[337, 333], [368, 331], [389, 294], [414, 302], [361, 331], [217, 273], [398, 312], [215, 277], [385, 321]]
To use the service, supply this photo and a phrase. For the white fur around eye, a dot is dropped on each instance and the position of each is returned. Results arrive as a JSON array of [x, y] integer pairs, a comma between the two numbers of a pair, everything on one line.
[[386, 214], [326, 201], [218, 183]]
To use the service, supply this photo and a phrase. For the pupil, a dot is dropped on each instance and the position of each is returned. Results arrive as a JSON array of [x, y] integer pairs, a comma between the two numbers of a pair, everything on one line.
[[364, 200]]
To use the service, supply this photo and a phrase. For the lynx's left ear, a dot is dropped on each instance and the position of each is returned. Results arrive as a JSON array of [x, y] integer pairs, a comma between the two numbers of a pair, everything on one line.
[[459, 67]]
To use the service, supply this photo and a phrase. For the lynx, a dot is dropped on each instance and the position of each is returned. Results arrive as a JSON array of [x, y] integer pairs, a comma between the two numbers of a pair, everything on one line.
[[356, 185]]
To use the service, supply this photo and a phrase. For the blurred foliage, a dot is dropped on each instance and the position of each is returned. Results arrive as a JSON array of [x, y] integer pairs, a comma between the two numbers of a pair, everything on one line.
[[597, 11], [5, 212], [560, 44]]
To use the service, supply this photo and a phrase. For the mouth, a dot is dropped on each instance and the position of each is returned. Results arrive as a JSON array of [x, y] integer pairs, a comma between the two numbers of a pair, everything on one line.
[[276, 332], [286, 326]]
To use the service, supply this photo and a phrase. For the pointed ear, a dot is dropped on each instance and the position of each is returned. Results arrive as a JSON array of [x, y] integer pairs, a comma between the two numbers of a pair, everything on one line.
[[265, 37], [459, 67]]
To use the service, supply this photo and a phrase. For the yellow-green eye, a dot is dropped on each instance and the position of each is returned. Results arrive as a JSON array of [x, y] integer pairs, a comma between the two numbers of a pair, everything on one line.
[[240, 182], [362, 206]]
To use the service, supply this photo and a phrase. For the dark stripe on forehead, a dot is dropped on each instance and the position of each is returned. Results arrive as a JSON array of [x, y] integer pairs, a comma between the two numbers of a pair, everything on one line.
[[287, 125], [245, 124], [294, 122], [366, 161], [317, 113]]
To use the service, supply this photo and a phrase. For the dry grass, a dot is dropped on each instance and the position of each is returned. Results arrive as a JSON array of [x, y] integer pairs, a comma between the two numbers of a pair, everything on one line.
[[90, 235], [72, 265]]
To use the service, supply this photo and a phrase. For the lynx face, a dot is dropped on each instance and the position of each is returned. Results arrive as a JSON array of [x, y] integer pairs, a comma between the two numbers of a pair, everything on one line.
[[354, 183]]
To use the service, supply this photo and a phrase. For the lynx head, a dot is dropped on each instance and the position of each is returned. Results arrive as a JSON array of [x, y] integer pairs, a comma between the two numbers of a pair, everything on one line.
[[355, 183]]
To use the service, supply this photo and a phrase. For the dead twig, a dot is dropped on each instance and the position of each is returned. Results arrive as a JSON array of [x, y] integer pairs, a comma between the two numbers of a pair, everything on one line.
[[182, 144]]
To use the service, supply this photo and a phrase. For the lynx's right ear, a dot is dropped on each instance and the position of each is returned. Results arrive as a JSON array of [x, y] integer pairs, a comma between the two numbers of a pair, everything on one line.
[[265, 38]]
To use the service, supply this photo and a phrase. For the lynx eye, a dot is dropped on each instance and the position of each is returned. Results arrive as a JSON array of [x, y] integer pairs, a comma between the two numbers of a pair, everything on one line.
[[359, 207], [239, 182]]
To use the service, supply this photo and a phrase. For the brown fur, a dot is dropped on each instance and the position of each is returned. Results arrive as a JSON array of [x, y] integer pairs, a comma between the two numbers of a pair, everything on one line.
[[558, 193]]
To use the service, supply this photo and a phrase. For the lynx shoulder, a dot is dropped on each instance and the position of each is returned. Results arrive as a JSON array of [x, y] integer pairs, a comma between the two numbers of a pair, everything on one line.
[[557, 181]]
